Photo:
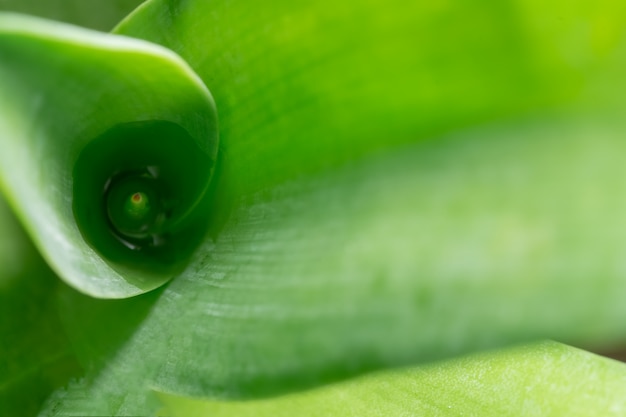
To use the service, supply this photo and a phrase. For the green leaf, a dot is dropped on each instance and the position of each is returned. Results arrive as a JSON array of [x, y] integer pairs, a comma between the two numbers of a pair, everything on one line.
[[106, 113], [535, 380], [35, 354], [359, 223], [95, 14], [305, 86], [481, 238], [299, 291]]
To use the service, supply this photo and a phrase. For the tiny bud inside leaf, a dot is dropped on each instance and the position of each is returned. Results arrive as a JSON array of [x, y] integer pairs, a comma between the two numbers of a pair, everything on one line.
[[137, 206]]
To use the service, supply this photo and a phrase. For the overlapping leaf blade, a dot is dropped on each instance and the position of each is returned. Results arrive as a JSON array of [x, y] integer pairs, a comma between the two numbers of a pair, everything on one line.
[[534, 380]]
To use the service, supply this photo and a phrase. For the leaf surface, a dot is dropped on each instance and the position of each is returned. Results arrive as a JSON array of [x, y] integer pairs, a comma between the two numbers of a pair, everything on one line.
[[300, 292], [341, 227], [35, 355], [533, 380]]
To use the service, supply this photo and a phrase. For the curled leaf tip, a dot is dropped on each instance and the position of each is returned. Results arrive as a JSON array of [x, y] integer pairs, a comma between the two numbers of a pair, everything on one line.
[[112, 177]]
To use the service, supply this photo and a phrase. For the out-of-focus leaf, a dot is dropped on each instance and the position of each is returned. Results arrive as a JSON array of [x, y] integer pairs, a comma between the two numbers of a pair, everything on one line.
[[96, 14], [35, 355], [304, 86], [546, 379]]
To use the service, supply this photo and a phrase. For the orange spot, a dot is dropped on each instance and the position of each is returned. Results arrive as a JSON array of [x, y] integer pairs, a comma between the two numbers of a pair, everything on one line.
[[136, 198]]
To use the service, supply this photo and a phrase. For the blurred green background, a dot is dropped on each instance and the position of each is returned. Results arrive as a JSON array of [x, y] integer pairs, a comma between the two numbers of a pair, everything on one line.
[[96, 14]]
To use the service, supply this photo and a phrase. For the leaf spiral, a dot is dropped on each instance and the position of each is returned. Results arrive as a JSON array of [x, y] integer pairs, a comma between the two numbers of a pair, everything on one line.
[[137, 189], [109, 144]]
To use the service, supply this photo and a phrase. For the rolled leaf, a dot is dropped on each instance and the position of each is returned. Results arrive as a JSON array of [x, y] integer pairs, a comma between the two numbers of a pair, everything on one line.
[[108, 146]]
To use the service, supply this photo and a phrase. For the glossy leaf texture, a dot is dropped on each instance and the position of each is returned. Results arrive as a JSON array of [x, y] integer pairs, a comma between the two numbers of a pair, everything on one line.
[[85, 114]]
